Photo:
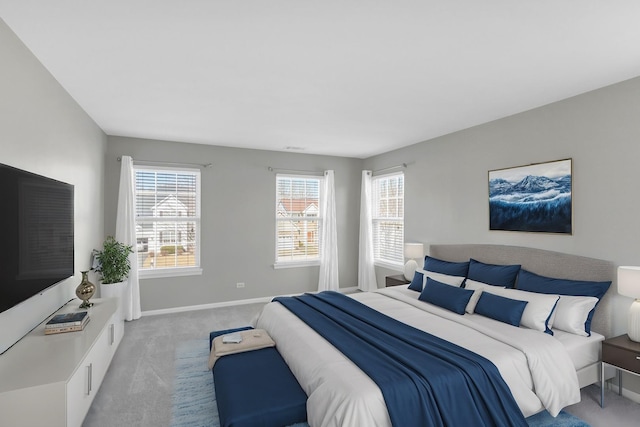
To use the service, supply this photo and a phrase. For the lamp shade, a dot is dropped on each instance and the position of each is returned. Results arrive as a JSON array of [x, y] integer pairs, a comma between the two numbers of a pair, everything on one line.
[[413, 250], [629, 281]]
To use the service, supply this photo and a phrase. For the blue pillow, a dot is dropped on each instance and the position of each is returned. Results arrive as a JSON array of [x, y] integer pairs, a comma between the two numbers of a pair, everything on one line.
[[446, 296], [491, 274], [446, 267], [504, 309], [416, 283], [528, 281]]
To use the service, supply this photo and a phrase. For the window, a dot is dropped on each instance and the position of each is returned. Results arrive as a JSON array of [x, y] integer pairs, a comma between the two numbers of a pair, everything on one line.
[[298, 220], [168, 221], [388, 219]]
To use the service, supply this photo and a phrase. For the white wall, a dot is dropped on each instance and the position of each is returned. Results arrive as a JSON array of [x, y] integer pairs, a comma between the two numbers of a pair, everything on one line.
[[44, 131], [238, 221]]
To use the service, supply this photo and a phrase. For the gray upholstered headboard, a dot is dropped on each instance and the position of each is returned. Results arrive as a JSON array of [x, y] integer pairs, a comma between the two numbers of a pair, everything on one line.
[[545, 263]]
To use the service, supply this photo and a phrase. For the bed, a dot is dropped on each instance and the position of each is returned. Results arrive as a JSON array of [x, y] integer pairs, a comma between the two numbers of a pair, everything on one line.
[[541, 371]]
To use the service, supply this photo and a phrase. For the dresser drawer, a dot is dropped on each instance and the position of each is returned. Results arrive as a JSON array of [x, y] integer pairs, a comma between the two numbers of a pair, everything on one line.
[[625, 359]]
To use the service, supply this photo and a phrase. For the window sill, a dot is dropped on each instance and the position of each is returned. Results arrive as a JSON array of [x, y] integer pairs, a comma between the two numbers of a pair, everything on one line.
[[169, 272], [278, 266]]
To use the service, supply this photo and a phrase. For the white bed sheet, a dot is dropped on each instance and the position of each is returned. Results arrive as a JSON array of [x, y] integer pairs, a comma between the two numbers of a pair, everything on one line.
[[583, 351], [341, 394]]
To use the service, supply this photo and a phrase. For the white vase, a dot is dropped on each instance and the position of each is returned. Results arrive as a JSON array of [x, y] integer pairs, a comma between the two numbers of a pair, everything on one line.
[[633, 325], [114, 290]]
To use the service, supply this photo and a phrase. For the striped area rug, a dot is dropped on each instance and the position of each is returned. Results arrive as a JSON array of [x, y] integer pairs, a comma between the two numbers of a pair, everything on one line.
[[194, 399]]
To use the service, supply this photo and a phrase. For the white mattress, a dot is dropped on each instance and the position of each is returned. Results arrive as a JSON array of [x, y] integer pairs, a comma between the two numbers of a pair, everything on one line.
[[341, 394]]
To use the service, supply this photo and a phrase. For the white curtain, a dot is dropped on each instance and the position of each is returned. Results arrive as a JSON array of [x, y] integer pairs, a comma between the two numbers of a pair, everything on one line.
[[366, 271], [126, 233], [329, 252]]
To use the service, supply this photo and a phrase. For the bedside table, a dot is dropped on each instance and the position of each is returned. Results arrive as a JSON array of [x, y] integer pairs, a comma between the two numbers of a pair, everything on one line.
[[622, 354], [396, 280]]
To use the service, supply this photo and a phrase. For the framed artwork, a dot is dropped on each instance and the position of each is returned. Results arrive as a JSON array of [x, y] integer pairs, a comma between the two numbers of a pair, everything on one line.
[[535, 198]]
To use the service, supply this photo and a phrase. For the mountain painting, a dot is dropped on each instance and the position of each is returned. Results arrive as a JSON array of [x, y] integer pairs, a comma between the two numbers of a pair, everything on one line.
[[534, 198]]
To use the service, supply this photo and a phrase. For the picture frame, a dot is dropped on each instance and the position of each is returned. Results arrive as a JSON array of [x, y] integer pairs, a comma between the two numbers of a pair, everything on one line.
[[532, 198]]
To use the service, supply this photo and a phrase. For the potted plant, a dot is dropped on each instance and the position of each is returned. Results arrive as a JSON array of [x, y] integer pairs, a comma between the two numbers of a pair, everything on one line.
[[113, 266]]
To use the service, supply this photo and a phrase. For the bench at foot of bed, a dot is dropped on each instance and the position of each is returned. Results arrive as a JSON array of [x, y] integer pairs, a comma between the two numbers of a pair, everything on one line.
[[257, 388]]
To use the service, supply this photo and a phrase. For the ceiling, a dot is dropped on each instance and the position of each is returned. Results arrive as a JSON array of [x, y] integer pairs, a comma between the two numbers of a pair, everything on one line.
[[350, 78]]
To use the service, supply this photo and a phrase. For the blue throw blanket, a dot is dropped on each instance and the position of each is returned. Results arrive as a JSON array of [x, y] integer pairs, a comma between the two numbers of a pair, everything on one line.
[[425, 380]]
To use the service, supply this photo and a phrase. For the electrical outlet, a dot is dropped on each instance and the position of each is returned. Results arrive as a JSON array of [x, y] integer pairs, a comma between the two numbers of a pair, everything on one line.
[[240, 285]]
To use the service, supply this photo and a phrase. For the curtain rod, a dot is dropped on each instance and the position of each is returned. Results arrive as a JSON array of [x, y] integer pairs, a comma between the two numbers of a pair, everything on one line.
[[403, 165], [295, 171], [149, 162]]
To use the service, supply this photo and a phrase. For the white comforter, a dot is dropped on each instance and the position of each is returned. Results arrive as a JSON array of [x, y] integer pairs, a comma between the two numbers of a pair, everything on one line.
[[534, 365]]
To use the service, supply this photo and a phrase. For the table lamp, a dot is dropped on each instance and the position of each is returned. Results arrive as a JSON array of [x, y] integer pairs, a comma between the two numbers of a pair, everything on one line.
[[629, 285], [413, 251]]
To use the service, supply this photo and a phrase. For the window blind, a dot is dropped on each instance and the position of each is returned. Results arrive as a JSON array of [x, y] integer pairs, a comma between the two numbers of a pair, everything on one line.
[[298, 219], [167, 218], [388, 218]]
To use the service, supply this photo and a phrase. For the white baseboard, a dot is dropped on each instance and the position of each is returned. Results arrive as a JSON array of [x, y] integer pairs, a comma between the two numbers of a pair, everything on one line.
[[629, 394], [225, 304], [206, 306]]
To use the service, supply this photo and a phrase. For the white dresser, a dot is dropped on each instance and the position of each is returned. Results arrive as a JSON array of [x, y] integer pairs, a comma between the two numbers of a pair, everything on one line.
[[51, 380]]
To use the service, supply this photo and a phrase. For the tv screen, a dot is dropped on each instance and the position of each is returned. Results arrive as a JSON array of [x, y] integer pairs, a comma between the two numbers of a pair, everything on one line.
[[36, 250]]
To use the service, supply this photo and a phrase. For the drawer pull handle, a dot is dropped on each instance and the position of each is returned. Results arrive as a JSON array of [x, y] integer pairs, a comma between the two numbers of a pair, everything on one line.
[[637, 357]]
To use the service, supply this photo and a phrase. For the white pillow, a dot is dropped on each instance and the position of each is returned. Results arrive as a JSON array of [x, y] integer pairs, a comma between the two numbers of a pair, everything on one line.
[[537, 313], [442, 278], [477, 287], [572, 312]]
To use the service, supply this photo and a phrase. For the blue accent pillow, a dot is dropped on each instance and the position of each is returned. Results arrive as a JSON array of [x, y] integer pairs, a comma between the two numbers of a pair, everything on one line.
[[446, 267], [528, 281], [504, 309], [491, 274], [446, 296], [416, 283]]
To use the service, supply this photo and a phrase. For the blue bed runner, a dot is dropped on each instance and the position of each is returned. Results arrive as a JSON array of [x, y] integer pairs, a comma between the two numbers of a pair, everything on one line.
[[425, 380]]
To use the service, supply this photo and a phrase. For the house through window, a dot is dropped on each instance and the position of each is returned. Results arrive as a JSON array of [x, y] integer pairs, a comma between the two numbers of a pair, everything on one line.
[[167, 220], [298, 220]]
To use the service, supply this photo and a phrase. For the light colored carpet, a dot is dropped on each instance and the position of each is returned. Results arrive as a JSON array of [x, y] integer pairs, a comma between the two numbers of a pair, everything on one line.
[[137, 388], [617, 412]]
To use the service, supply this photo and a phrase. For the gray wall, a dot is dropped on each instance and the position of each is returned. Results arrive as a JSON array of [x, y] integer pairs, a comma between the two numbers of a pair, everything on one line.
[[43, 130], [238, 221], [446, 199]]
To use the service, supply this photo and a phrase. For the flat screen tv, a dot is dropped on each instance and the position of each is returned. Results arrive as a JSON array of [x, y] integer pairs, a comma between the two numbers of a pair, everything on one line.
[[36, 249]]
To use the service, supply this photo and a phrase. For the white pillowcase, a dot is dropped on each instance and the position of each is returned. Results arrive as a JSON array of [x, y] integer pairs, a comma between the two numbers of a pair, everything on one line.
[[538, 309], [477, 287], [442, 278], [571, 313]]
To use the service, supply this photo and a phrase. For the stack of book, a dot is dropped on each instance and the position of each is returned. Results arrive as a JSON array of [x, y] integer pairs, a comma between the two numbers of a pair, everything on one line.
[[66, 322]]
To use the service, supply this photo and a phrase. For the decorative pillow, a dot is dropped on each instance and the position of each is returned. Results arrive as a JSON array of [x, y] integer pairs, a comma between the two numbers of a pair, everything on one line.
[[445, 296], [445, 278], [500, 308], [537, 314], [477, 288], [572, 312], [532, 282], [491, 274], [446, 267], [416, 283]]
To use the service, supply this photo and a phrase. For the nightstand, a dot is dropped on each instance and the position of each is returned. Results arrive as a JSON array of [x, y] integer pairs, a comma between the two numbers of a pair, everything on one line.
[[396, 280], [622, 354]]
